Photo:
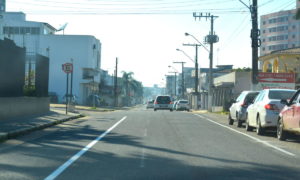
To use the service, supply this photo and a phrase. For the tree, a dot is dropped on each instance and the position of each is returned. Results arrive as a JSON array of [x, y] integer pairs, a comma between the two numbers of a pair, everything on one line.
[[133, 88]]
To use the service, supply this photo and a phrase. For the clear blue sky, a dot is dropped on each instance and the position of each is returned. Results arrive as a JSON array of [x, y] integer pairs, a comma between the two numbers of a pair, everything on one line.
[[144, 34]]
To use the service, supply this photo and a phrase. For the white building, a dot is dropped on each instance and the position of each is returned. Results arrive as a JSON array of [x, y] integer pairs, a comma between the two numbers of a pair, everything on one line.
[[39, 37]]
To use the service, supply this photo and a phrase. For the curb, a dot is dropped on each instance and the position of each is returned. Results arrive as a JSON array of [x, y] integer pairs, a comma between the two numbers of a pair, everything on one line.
[[16, 133]]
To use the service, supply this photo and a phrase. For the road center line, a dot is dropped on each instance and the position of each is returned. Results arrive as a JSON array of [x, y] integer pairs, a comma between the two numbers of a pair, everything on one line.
[[142, 164], [251, 137], [63, 167]]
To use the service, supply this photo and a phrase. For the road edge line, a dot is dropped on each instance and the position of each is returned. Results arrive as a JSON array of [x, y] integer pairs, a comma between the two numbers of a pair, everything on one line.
[[64, 166], [249, 136]]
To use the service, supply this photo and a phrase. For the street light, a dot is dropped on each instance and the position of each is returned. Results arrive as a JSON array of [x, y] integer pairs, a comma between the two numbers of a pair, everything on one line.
[[186, 55], [187, 34], [210, 72]]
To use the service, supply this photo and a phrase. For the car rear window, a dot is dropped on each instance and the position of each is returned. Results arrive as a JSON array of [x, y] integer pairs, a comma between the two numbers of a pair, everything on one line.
[[183, 102], [250, 97], [163, 99], [281, 94]]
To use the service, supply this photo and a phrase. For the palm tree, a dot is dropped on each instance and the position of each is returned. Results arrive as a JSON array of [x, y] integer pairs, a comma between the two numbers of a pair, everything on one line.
[[127, 79]]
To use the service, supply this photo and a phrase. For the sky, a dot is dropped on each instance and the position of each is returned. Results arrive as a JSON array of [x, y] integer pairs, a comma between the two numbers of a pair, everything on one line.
[[144, 34]]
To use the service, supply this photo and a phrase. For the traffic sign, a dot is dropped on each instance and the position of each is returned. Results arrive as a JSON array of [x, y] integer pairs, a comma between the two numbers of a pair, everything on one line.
[[67, 67]]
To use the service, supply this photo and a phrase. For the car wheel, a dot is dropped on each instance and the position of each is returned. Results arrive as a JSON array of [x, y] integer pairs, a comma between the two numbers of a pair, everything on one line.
[[230, 120], [239, 122], [171, 110], [154, 109], [259, 129], [281, 134], [248, 128]]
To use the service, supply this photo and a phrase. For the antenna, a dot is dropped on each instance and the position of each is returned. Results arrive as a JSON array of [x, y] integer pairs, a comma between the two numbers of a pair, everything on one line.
[[62, 28]]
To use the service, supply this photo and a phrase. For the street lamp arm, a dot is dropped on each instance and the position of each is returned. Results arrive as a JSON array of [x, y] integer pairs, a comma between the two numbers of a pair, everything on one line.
[[187, 34], [186, 54]]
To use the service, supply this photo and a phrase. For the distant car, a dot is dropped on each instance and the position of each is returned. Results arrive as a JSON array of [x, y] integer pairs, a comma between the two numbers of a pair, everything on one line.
[[150, 104], [163, 102], [289, 117], [264, 111], [238, 109], [183, 105]]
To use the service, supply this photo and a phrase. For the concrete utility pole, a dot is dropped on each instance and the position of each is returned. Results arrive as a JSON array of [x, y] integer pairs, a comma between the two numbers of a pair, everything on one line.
[[256, 42], [211, 39], [116, 84], [182, 78], [196, 67]]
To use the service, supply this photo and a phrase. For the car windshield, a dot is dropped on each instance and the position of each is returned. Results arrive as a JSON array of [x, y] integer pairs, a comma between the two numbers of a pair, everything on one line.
[[163, 99], [277, 94]]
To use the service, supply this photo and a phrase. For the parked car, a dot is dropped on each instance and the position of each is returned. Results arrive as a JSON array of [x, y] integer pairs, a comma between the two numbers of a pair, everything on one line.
[[183, 105], [150, 104], [238, 109], [289, 117], [163, 102], [264, 111]]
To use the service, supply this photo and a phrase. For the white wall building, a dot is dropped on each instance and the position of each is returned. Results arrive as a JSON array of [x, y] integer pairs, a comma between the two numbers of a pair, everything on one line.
[[39, 37]]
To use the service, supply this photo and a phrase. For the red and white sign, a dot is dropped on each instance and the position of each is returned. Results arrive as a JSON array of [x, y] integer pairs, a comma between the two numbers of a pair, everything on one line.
[[277, 80], [67, 67]]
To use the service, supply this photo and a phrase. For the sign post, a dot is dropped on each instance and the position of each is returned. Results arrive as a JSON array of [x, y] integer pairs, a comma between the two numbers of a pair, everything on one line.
[[67, 68]]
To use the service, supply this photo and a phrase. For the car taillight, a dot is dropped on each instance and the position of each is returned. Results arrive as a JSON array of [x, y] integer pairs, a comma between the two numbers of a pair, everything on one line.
[[155, 102], [271, 107], [171, 102]]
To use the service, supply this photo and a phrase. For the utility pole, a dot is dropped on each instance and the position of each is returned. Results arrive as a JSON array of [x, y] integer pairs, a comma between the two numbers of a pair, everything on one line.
[[196, 66], [182, 78], [116, 84], [256, 42], [211, 39]]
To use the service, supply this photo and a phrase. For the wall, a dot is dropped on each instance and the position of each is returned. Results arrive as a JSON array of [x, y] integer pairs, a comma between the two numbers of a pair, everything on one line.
[[22, 106], [61, 49], [12, 69]]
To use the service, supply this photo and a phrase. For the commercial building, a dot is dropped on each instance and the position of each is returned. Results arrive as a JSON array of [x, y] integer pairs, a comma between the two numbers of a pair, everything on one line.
[[279, 30], [40, 38]]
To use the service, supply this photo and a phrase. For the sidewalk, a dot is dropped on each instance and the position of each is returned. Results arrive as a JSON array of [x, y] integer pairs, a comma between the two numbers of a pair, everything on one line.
[[12, 128]]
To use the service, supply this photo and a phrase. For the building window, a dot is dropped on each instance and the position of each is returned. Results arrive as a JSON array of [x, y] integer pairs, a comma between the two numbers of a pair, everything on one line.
[[293, 36], [16, 30], [263, 48], [294, 45], [264, 40], [294, 27], [264, 31], [264, 22]]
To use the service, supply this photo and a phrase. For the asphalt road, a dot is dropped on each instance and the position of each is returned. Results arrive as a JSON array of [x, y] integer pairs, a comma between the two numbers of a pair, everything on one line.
[[143, 144]]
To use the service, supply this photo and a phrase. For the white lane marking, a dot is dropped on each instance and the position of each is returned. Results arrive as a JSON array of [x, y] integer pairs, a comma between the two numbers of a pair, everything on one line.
[[251, 137], [63, 167], [142, 164]]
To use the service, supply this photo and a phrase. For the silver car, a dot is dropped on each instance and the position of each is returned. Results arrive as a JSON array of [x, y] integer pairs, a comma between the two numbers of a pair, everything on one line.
[[264, 111], [163, 102], [183, 105], [238, 109]]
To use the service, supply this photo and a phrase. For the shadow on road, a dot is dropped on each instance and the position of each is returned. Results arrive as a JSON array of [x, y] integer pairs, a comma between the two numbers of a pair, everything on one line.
[[58, 147]]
